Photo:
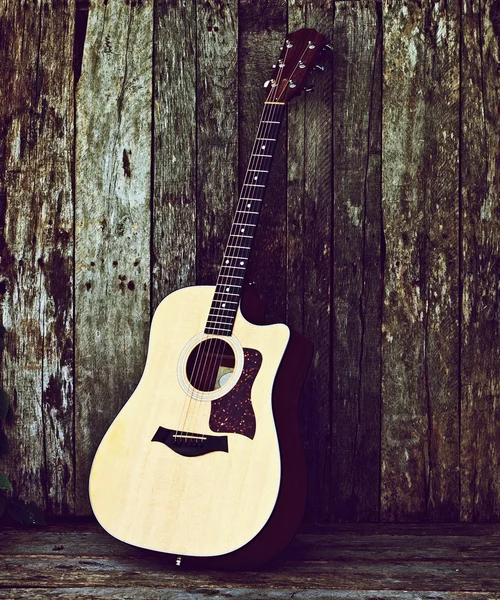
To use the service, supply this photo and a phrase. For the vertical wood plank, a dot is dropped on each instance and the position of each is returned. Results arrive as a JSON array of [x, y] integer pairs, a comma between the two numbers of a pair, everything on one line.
[[174, 186], [357, 276], [309, 270], [217, 122], [480, 170], [420, 210], [36, 219], [113, 168], [262, 28]]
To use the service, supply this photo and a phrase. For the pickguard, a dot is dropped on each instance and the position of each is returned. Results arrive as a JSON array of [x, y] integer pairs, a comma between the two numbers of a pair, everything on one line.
[[233, 413]]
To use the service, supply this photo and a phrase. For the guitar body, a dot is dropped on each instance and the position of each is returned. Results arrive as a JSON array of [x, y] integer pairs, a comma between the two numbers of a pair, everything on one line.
[[193, 472]]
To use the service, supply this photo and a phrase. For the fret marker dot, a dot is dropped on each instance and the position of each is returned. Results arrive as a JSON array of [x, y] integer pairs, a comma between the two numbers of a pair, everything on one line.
[[241, 262], [263, 147], [224, 305], [227, 289], [248, 205], [242, 229], [256, 177], [227, 262]]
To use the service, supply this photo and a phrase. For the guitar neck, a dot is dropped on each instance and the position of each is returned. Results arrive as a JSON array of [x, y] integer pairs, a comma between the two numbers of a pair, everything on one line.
[[237, 253]]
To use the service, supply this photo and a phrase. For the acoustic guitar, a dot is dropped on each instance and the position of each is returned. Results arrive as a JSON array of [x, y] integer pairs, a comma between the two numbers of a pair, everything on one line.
[[205, 458]]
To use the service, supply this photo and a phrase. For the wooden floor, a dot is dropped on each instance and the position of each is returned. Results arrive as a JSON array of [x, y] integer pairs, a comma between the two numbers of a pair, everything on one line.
[[370, 562]]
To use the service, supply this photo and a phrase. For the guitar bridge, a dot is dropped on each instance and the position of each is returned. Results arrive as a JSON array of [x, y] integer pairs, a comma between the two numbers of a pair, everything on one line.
[[188, 443]]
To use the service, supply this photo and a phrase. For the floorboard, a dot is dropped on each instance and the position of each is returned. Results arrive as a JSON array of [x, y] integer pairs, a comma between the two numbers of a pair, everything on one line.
[[352, 562]]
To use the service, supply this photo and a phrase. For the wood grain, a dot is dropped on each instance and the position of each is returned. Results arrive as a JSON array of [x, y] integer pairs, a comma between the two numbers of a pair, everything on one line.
[[339, 541], [217, 132], [309, 246], [141, 593], [420, 433], [174, 157], [36, 226], [410, 561], [319, 254], [480, 179], [357, 270], [113, 171], [262, 28]]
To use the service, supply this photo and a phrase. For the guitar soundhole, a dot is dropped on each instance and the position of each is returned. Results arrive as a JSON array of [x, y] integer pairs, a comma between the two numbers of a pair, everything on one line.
[[210, 365]]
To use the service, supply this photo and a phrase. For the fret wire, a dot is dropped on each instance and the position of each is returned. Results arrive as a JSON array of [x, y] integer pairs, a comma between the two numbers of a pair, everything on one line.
[[227, 293], [232, 277], [217, 322], [215, 331]]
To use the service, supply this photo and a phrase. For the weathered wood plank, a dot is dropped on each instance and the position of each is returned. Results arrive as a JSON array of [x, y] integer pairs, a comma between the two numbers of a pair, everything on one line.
[[174, 155], [217, 121], [309, 270], [480, 178], [425, 529], [420, 442], [352, 559], [385, 543], [446, 575], [262, 28], [36, 227], [357, 271], [113, 168], [141, 593]]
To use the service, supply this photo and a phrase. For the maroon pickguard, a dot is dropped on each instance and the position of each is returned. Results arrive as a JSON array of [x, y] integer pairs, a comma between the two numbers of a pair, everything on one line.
[[233, 413]]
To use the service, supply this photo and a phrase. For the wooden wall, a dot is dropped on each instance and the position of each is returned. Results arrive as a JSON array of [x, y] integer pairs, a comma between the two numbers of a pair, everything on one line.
[[125, 127]]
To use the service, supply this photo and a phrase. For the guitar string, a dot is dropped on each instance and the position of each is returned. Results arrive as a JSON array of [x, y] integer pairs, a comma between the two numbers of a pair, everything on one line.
[[254, 163], [271, 117], [266, 131], [207, 342], [275, 91], [214, 353], [250, 196]]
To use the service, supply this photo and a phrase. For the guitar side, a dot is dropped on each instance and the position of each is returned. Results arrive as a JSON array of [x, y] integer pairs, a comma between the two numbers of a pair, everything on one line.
[[153, 495]]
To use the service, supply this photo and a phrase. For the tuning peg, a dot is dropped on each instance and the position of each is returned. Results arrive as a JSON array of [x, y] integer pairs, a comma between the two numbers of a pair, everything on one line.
[[319, 68], [310, 88], [328, 47]]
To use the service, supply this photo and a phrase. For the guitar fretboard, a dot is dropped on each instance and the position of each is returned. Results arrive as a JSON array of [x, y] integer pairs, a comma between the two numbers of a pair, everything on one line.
[[234, 264]]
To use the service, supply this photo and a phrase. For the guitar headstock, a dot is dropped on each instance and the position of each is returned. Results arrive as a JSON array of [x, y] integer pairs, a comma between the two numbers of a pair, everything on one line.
[[299, 56]]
